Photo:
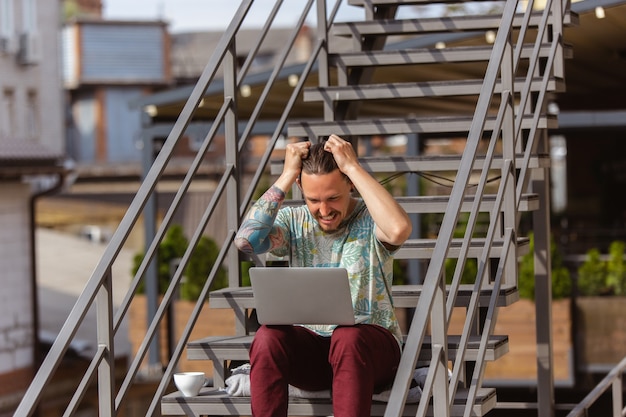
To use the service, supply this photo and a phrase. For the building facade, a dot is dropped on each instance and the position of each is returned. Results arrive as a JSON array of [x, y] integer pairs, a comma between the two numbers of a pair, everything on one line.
[[32, 148], [106, 64]]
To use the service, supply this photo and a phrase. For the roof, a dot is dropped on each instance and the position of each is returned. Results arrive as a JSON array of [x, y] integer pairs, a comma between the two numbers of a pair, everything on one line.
[[594, 75], [18, 158], [192, 50]]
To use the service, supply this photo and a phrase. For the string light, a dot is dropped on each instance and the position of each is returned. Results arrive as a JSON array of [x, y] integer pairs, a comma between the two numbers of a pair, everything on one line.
[[600, 12]]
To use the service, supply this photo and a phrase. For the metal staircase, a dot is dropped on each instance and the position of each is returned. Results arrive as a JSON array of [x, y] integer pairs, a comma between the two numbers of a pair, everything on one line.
[[505, 134]]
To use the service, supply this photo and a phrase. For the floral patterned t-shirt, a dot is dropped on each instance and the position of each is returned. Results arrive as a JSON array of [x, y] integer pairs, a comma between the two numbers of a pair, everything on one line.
[[294, 233]]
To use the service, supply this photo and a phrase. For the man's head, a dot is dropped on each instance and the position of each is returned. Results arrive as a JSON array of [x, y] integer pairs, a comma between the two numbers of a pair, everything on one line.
[[327, 191], [319, 161]]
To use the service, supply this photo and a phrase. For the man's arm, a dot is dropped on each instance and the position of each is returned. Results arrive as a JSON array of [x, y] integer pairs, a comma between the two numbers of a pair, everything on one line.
[[393, 225], [257, 233]]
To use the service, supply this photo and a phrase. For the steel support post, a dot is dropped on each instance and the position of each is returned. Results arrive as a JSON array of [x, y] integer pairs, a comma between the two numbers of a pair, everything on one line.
[[543, 288]]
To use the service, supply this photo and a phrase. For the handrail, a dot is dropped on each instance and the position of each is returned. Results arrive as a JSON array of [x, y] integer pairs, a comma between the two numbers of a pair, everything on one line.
[[136, 363], [497, 65], [434, 272], [499, 201], [168, 296], [103, 360], [614, 380], [503, 63]]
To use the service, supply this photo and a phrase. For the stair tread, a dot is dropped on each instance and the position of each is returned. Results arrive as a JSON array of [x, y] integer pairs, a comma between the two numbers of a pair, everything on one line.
[[431, 55], [439, 203], [236, 347], [423, 248], [383, 91], [429, 163], [408, 125], [404, 296], [244, 341], [441, 162], [214, 401], [398, 2], [435, 24]]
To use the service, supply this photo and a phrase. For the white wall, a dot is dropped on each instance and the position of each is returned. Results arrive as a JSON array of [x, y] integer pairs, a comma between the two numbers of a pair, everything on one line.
[[16, 319], [31, 111], [31, 95]]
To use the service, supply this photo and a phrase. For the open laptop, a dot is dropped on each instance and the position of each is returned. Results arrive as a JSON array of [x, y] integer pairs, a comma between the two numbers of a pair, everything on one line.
[[299, 295]]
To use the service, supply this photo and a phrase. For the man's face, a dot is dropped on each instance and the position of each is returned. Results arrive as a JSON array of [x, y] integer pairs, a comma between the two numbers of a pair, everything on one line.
[[328, 198]]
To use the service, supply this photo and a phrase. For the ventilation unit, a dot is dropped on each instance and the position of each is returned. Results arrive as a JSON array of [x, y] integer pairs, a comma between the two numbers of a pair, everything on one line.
[[29, 50], [6, 44]]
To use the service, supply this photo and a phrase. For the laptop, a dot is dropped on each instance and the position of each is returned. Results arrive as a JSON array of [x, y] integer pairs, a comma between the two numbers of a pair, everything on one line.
[[301, 295]]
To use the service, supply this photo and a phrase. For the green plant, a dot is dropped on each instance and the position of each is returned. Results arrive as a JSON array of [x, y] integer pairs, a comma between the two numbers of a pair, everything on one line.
[[469, 271], [592, 274], [602, 277], [198, 269], [561, 280], [172, 247], [399, 272], [201, 261], [616, 268]]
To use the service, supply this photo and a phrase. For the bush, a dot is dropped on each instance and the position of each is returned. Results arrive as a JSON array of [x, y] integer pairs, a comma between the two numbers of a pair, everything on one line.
[[561, 280], [592, 274], [470, 270], [616, 268], [172, 247], [200, 264], [600, 277]]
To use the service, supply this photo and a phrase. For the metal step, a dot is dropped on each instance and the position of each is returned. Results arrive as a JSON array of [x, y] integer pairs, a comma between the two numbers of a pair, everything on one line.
[[424, 248], [212, 401], [404, 296], [429, 163], [224, 348], [447, 24], [395, 126], [439, 203], [437, 163], [369, 3], [431, 56], [417, 90]]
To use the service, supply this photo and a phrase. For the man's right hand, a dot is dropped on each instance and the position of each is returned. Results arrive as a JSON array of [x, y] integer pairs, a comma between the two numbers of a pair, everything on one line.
[[294, 154]]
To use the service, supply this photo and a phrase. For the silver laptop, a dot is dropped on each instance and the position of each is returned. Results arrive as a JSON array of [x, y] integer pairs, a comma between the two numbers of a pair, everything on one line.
[[298, 295]]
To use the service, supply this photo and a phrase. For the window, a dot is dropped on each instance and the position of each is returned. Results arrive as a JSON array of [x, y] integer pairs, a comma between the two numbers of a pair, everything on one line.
[[29, 16], [7, 113], [28, 41], [32, 115], [7, 25]]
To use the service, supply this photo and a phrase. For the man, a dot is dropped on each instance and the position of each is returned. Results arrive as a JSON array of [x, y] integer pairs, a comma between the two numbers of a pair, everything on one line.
[[333, 229]]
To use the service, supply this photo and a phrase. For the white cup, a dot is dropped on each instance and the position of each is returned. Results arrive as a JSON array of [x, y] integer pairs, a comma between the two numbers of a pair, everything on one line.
[[189, 383]]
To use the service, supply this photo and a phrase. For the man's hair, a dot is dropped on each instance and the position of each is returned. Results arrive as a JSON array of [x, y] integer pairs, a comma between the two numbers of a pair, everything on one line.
[[319, 161]]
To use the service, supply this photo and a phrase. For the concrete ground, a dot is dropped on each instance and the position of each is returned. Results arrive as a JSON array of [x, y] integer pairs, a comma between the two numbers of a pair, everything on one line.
[[65, 263]]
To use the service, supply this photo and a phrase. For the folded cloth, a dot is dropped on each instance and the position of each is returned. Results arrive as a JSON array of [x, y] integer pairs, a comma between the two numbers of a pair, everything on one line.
[[238, 385]]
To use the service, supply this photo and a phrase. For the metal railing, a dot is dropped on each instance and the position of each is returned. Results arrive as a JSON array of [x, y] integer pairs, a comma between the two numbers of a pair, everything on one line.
[[432, 305], [435, 304], [98, 290], [614, 381]]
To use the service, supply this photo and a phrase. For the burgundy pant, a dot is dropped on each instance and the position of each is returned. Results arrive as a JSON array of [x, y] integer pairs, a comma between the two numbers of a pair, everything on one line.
[[354, 362]]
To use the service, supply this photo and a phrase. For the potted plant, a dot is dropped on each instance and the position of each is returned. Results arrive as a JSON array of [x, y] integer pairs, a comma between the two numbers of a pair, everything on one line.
[[600, 309], [210, 322]]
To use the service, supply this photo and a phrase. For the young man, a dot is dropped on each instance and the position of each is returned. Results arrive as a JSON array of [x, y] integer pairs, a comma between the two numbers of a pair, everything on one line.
[[333, 229]]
